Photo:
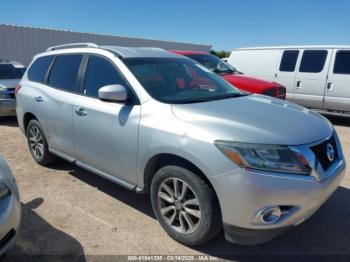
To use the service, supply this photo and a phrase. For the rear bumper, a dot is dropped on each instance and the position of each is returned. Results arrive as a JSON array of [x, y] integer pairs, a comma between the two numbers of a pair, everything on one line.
[[7, 107]]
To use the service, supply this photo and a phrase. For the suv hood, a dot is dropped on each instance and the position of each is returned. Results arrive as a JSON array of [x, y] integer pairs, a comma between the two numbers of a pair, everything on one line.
[[253, 119], [247, 83], [9, 83]]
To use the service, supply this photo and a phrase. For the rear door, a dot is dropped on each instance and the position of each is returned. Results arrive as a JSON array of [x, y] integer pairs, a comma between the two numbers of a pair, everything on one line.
[[54, 102], [286, 71], [105, 133], [311, 77], [337, 95]]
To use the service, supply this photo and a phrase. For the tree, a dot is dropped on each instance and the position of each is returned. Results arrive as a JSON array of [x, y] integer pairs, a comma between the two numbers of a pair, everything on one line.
[[220, 54]]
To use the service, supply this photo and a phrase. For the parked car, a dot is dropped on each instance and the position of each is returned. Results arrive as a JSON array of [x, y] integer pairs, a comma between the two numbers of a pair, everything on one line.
[[10, 74], [210, 155], [234, 77], [315, 76], [10, 208]]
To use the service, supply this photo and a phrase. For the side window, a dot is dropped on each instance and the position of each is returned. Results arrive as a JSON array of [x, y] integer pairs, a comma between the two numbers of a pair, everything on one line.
[[342, 63], [39, 68], [313, 61], [289, 60], [99, 73], [64, 72]]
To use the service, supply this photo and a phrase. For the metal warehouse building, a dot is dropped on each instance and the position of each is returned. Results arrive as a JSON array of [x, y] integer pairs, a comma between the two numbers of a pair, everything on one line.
[[22, 43]]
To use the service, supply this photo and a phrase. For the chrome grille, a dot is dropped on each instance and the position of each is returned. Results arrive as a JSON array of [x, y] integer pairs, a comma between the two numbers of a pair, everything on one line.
[[320, 152]]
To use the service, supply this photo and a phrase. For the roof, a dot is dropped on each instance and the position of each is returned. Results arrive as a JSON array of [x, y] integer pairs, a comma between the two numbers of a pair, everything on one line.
[[297, 47], [186, 52], [129, 52], [120, 51]]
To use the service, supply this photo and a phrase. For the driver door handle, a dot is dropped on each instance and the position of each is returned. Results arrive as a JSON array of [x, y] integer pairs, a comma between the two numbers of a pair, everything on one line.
[[80, 111]]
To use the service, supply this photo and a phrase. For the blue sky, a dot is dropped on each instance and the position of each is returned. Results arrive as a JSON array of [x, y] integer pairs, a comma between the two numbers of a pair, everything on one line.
[[225, 24]]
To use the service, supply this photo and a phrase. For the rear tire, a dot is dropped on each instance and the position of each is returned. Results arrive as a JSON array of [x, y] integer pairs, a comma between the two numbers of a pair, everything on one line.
[[192, 217], [37, 144]]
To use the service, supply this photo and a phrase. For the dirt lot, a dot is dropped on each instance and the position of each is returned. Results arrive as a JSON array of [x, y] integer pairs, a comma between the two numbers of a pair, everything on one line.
[[69, 211]]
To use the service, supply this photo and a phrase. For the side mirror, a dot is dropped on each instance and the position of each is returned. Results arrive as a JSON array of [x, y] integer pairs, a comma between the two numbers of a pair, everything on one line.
[[117, 93]]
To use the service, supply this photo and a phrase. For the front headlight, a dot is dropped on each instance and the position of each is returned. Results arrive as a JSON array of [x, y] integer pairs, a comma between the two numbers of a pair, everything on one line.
[[273, 158]]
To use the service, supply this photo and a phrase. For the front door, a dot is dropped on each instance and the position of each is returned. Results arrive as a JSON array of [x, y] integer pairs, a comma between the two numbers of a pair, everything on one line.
[[105, 133], [286, 71]]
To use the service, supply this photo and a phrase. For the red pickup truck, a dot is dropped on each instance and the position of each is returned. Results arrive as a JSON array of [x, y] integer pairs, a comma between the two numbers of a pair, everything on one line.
[[234, 77]]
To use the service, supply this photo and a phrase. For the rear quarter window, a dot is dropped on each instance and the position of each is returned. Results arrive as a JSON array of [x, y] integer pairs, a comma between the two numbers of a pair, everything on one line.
[[38, 69]]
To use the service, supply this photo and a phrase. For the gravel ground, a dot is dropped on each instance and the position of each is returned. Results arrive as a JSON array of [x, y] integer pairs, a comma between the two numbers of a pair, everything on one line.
[[69, 211]]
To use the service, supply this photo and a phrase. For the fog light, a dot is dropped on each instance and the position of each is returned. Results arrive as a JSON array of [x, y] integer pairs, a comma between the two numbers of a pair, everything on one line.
[[268, 215], [271, 215]]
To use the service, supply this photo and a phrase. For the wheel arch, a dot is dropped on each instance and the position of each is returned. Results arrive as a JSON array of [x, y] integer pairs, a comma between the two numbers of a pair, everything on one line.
[[163, 159], [26, 118]]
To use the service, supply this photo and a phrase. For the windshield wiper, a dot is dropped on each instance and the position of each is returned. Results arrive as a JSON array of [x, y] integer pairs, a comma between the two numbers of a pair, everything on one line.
[[225, 71], [231, 96], [193, 100], [230, 71], [207, 99]]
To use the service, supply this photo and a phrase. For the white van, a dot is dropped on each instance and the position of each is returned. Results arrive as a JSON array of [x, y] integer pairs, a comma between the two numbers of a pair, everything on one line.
[[314, 76]]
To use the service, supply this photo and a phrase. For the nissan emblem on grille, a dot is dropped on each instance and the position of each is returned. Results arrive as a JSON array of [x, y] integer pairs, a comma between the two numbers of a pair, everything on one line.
[[330, 152]]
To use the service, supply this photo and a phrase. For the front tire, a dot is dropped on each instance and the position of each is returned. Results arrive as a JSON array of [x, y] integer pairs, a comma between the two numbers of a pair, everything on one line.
[[37, 144], [185, 206]]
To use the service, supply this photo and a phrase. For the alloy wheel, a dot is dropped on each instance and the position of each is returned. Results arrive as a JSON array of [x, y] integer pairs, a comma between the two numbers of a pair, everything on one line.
[[179, 205], [36, 142]]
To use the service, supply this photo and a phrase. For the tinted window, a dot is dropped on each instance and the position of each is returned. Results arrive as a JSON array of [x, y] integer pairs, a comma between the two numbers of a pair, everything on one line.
[[100, 73], [64, 72], [313, 61], [342, 63], [39, 68], [289, 60]]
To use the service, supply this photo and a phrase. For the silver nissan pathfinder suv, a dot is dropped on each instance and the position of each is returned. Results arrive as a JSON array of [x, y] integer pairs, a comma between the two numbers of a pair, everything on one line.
[[210, 156]]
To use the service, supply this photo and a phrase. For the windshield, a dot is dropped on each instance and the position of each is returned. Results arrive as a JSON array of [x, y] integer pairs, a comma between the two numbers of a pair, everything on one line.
[[213, 63], [177, 80], [8, 71]]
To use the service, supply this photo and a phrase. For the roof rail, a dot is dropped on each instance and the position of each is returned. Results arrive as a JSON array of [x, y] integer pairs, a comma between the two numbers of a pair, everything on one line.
[[73, 45]]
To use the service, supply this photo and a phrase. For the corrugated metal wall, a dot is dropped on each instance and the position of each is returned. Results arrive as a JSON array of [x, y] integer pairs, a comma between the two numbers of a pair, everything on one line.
[[22, 43]]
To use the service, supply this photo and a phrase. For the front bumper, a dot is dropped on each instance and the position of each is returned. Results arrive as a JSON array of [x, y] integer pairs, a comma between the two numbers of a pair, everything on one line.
[[243, 194], [7, 107]]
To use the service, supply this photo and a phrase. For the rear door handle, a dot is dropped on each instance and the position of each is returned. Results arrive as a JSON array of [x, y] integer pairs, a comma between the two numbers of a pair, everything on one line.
[[329, 86], [80, 111], [298, 84], [39, 99]]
